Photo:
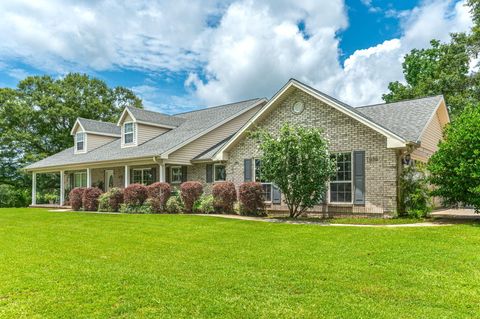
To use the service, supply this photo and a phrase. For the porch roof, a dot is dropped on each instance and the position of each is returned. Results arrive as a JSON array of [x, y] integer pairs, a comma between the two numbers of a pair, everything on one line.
[[195, 123]]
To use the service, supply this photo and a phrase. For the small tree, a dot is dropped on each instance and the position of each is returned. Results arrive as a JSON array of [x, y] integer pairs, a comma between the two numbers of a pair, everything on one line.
[[455, 167], [299, 163]]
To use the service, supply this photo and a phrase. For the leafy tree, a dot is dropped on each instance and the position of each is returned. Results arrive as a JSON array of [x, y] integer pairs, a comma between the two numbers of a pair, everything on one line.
[[299, 163], [455, 167], [443, 68], [37, 116]]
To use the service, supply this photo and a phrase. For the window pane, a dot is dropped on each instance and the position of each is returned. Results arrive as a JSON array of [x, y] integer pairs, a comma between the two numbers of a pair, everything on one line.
[[137, 176], [128, 138], [79, 146], [220, 173], [128, 128], [258, 165], [147, 176], [176, 174], [267, 192]]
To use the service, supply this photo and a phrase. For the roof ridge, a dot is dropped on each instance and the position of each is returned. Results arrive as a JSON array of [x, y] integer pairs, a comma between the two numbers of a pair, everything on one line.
[[217, 106], [145, 110], [98, 121], [407, 100]]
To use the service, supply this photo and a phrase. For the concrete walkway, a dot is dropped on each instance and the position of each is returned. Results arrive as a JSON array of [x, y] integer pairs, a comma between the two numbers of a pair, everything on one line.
[[321, 223], [456, 213]]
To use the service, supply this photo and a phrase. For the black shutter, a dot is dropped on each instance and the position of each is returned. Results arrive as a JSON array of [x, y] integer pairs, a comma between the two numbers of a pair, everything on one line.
[[247, 170], [209, 170], [359, 177], [184, 173], [131, 175], [276, 195], [167, 174]]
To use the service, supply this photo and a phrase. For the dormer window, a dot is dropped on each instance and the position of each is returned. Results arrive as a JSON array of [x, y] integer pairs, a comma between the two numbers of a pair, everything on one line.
[[129, 133], [80, 142]]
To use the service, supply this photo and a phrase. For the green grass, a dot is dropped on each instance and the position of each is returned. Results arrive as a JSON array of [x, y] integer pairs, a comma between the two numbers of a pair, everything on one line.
[[75, 265]]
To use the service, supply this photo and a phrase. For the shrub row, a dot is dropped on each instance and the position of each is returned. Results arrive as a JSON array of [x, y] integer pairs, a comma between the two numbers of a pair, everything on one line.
[[157, 198], [86, 198]]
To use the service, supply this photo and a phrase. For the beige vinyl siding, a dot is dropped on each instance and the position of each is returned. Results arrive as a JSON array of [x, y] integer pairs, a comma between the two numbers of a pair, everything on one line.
[[200, 145], [429, 140], [127, 118], [94, 141], [147, 132]]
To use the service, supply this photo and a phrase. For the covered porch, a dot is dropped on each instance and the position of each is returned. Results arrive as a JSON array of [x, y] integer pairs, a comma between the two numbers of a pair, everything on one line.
[[104, 177]]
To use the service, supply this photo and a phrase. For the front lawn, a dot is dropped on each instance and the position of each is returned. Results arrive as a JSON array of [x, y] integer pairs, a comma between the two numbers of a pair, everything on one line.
[[77, 265]]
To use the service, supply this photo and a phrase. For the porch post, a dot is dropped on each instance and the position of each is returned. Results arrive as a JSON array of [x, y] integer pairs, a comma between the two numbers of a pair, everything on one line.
[[127, 175], [89, 177], [62, 188], [161, 172], [34, 188]]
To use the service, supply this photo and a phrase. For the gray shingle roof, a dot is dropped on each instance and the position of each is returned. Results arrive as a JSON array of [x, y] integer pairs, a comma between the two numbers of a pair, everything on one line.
[[155, 117], [100, 127], [208, 154], [194, 123], [405, 118]]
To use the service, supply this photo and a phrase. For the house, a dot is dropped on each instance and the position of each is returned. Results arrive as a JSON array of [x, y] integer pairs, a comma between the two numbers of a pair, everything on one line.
[[371, 144]]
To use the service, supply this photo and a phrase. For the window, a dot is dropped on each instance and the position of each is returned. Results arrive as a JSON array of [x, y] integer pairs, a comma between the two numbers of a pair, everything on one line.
[[80, 179], [80, 141], [143, 176], [220, 174], [128, 133], [267, 186], [341, 183], [176, 174]]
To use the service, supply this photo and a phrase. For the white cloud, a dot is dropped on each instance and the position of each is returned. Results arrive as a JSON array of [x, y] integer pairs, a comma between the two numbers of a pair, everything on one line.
[[366, 73], [251, 52], [57, 35], [258, 47]]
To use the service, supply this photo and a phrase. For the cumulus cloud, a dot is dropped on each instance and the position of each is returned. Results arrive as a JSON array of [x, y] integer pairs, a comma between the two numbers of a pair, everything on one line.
[[57, 35], [231, 50], [366, 73], [257, 47]]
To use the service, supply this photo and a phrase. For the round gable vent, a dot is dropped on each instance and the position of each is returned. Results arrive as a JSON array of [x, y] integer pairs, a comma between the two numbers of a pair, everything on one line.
[[298, 107]]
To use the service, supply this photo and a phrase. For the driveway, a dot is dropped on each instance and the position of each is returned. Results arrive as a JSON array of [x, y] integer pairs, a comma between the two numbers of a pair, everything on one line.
[[455, 213]]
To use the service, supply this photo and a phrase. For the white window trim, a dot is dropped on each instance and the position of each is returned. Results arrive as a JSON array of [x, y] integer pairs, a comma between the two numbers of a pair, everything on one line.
[[171, 175], [75, 178], [351, 182], [141, 169], [134, 133], [214, 175], [76, 151], [255, 180]]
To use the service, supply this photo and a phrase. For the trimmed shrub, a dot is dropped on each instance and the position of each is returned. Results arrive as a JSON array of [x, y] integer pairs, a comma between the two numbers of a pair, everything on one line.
[[159, 193], [174, 205], [111, 200], [103, 203], [250, 195], [135, 194], [145, 208], [205, 205], [225, 196], [75, 197], [190, 192], [90, 198]]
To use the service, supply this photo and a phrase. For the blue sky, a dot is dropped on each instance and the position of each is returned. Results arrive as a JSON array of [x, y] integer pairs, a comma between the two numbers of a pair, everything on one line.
[[185, 55]]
